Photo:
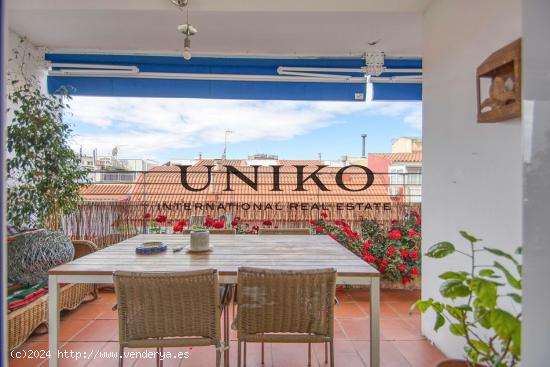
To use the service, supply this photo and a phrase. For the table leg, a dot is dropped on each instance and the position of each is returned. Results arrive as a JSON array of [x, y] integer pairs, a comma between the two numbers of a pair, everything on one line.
[[53, 319], [375, 322]]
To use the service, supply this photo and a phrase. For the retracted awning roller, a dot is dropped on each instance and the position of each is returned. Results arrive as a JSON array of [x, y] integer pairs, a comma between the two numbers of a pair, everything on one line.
[[314, 79]]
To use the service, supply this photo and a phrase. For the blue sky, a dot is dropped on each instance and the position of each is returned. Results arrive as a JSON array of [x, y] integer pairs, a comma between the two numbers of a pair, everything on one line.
[[164, 129]]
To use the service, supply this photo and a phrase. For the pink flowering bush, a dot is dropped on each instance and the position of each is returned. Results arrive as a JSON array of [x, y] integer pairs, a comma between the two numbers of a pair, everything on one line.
[[394, 251]]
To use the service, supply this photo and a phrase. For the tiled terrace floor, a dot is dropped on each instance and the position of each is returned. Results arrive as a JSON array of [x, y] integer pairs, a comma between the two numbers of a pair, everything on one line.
[[93, 327]]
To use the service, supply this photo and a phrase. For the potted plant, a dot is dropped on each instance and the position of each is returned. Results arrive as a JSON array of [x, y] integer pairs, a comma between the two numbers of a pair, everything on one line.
[[474, 312], [44, 175]]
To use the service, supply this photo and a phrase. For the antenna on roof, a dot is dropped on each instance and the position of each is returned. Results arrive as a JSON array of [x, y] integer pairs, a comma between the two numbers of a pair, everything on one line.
[[364, 151], [319, 156]]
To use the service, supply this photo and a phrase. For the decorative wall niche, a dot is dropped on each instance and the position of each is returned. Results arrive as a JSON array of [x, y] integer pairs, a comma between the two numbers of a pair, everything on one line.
[[499, 85]]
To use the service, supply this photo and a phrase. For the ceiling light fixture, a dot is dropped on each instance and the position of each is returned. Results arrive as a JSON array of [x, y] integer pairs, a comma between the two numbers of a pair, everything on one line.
[[186, 29]]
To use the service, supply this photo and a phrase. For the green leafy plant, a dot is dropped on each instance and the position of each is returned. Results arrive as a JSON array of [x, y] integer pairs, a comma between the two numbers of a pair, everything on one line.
[[492, 334], [44, 173]]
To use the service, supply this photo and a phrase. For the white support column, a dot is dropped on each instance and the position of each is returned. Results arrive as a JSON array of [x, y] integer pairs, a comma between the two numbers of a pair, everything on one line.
[[375, 322], [53, 319]]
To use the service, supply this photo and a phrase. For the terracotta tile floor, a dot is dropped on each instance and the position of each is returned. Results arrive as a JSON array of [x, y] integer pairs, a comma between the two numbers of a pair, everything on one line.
[[93, 327]]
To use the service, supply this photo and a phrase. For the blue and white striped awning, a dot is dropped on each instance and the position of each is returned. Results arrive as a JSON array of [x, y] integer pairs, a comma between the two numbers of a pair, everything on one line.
[[312, 79]]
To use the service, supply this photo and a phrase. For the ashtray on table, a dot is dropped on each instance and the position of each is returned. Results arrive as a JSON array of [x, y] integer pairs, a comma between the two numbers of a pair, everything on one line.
[[149, 248]]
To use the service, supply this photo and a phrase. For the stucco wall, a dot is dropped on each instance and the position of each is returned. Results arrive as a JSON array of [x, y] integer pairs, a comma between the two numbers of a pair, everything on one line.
[[472, 173], [33, 62]]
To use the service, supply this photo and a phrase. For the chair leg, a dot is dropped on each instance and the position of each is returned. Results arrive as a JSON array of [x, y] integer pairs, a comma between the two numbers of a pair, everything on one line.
[[226, 335], [120, 356], [309, 354], [244, 355], [326, 353], [218, 358], [263, 353], [238, 353], [331, 353]]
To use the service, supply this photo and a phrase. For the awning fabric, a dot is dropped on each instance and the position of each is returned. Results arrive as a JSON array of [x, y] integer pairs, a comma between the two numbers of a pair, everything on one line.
[[138, 86]]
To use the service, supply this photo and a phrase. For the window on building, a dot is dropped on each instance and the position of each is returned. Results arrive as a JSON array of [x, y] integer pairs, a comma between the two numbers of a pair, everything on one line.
[[396, 175]]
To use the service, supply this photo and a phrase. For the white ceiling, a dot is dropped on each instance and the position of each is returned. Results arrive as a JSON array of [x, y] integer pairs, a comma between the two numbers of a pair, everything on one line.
[[255, 27]]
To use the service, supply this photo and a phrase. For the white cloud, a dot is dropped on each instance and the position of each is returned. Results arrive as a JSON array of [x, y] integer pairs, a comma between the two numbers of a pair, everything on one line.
[[146, 126]]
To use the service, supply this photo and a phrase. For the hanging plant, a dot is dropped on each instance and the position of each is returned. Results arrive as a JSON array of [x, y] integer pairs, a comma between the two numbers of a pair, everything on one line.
[[44, 173]]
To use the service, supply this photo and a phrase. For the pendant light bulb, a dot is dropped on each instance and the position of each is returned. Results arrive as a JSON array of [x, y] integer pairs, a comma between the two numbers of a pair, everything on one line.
[[187, 48]]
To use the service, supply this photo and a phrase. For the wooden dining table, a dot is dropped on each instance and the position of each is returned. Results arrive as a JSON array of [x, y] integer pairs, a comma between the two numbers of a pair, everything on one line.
[[292, 252]]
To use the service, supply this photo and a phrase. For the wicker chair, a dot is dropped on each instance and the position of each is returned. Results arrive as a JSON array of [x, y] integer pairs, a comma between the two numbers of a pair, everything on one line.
[[285, 306], [168, 310], [285, 231]]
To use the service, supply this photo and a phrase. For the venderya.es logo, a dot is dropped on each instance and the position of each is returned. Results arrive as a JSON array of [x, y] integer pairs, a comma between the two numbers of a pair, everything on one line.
[[301, 178]]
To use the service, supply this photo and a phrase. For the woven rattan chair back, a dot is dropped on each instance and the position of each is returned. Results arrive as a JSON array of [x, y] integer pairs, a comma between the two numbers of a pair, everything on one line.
[[285, 231], [168, 305], [280, 301]]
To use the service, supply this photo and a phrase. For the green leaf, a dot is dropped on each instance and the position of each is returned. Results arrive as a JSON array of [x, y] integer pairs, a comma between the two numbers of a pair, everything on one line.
[[454, 288], [486, 272], [509, 277], [501, 253], [469, 237], [481, 346], [462, 275], [457, 329], [504, 323], [482, 315], [485, 291], [421, 305], [439, 322], [440, 250], [455, 312], [519, 250], [516, 297]]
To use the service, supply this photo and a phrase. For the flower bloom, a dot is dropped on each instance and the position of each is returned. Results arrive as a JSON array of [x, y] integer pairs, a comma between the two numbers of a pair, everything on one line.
[[391, 251], [146, 215], [182, 222], [418, 221], [367, 243], [177, 228], [267, 223], [414, 271], [319, 229], [406, 280], [313, 222], [412, 233], [324, 214], [218, 224], [369, 258], [404, 253], [416, 213], [394, 234], [235, 222], [384, 262], [401, 268], [208, 221], [382, 269], [413, 255], [161, 218]]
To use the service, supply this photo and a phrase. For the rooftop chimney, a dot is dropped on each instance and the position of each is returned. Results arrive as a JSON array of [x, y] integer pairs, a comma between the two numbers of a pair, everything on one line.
[[364, 153]]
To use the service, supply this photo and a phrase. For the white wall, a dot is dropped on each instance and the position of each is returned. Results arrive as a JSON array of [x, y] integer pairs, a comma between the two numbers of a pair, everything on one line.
[[34, 60], [536, 184], [472, 173]]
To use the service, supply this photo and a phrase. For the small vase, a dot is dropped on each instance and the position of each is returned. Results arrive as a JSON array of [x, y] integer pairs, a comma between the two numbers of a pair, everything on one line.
[[200, 240]]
